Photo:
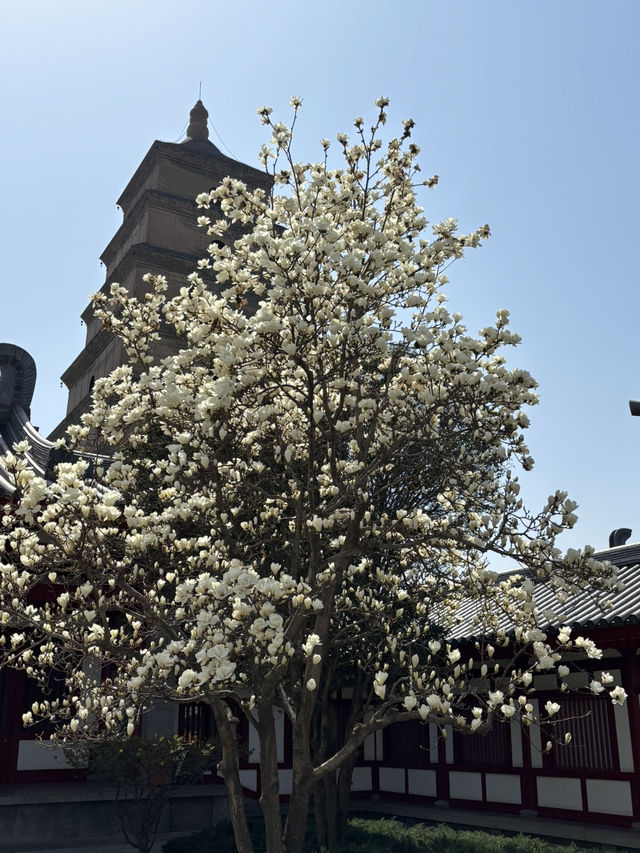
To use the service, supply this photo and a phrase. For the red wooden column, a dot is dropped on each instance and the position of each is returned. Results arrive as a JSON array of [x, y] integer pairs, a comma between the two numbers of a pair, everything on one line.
[[442, 774], [527, 777]]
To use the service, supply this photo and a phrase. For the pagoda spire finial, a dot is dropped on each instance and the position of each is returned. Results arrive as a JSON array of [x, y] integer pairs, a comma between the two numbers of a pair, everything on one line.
[[198, 130]]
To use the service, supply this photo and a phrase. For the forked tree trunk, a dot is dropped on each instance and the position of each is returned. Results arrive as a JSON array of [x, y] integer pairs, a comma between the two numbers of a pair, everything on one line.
[[229, 768]]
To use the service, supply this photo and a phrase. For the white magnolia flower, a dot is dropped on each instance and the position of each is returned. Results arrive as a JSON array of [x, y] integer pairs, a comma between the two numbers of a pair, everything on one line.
[[495, 697], [310, 644], [618, 695]]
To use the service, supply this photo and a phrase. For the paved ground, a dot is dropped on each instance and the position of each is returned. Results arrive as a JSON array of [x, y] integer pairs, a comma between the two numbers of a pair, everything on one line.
[[560, 830], [99, 846]]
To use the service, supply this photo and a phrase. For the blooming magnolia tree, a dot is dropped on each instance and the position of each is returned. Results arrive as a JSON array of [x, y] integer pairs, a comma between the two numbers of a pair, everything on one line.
[[302, 497]]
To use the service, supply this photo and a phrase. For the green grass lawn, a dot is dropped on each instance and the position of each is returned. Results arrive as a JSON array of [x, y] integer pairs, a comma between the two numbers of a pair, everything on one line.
[[365, 835]]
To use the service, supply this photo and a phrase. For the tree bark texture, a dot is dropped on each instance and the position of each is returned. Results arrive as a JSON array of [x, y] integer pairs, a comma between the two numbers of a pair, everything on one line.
[[269, 778], [229, 768], [301, 786]]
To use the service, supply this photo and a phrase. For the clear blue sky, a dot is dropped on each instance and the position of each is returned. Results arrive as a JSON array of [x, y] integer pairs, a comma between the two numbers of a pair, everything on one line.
[[527, 111]]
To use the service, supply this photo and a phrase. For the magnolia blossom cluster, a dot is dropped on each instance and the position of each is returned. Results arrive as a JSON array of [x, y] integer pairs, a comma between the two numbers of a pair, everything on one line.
[[309, 489]]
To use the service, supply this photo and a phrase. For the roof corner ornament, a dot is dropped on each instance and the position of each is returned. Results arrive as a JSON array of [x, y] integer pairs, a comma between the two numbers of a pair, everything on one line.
[[198, 130], [17, 379], [619, 536]]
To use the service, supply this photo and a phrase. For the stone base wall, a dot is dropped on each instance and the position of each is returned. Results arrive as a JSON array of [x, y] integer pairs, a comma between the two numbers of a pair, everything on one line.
[[59, 813]]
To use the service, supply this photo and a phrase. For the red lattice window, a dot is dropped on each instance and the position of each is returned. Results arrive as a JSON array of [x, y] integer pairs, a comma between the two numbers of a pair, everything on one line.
[[590, 721], [196, 722], [406, 744], [492, 749]]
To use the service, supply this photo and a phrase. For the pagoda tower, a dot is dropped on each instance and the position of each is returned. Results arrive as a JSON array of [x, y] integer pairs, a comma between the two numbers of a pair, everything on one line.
[[158, 234]]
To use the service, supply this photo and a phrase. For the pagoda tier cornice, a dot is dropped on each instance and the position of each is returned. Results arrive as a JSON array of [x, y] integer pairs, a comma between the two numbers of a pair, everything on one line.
[[150, 198], [155, 259], [90, 352], [196, 157]]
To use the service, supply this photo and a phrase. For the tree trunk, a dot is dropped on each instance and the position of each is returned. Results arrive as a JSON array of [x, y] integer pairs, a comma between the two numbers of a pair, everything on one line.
[[269, 779], [319, 815], [297, 815], [343, 795], [332, 795], [325, 733], [331, 804], [228, 767], [298, 811], [327, 819]]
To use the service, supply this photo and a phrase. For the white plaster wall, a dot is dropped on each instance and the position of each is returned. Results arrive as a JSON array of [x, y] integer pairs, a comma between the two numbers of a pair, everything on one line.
[[534, 737], [373, 750], [448, 745], [249, 779], [370, 748], [392, 779], [278, 715], [254, 745], [623, 730], [609, 797], [502, 788], [433, 743], [379, 748], [284, 780], [161, 719], [559, 793], [623, 735], [577, 679], [254, 742], [361, 779], [464, 785], [422, 783], [515, 732], [545, 682], [33, 755]]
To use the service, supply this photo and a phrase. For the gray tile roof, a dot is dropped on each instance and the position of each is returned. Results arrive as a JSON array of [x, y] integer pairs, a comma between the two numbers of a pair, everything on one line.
[[581, 610]]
